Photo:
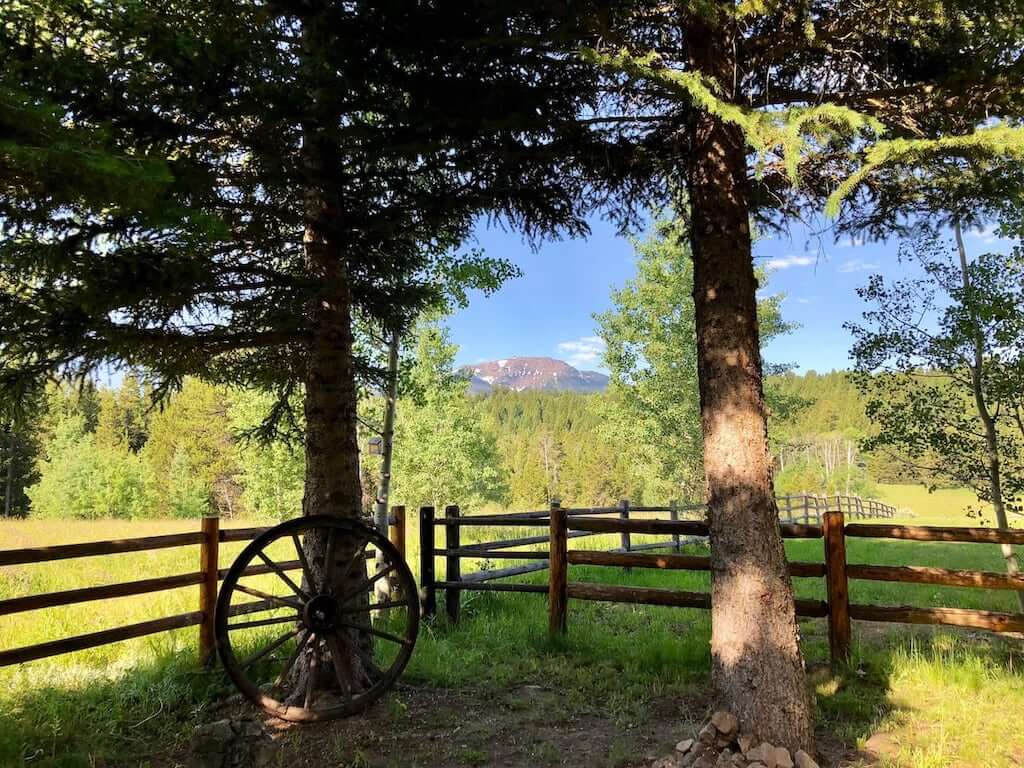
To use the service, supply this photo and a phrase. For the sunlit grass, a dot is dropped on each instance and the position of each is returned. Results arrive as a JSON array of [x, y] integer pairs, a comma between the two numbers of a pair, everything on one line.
[[948, 697]]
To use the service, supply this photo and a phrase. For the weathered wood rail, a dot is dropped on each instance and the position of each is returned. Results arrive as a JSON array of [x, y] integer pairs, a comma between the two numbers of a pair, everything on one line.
[[802, 514], [207, 578], [803, 521]]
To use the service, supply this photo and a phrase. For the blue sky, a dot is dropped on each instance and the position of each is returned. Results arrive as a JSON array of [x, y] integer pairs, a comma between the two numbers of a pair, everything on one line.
[[549, 310]]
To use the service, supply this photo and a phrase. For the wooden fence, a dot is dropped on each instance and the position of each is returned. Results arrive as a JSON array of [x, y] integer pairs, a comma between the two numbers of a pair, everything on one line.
[[206, 578], [566, 524]]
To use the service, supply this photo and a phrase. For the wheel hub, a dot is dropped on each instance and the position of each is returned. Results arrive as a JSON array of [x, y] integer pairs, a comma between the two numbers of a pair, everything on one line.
[[321, 613]]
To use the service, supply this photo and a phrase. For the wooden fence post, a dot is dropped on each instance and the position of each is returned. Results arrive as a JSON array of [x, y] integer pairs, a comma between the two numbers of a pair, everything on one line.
[[428, 597], [208, 566], [837, 587], [558, 572], [452, 568], [396, 535], [625, 540], [396, 531], [673, 513]]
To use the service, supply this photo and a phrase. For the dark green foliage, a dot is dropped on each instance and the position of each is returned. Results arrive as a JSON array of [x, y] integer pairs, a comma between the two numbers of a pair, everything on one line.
[[204, 273]]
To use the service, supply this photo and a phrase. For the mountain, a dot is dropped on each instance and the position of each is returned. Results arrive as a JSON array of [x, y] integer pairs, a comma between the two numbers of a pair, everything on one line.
[[522, 373]]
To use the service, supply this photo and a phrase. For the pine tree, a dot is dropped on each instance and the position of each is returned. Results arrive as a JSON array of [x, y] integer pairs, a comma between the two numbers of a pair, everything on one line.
[[760, 111]]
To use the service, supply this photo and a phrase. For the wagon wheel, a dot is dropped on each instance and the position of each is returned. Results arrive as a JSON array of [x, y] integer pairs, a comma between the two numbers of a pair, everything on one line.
[[314, 645]]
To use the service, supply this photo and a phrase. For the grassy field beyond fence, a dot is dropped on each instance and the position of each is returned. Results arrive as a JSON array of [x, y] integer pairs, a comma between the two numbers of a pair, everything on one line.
[[953, 698]]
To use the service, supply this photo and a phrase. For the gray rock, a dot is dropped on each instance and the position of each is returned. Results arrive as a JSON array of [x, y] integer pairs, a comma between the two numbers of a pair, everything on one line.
[[762, 753], [803, 760], [708, 734], [782, 758], [231, 744], [746, 741], [725, 722], [684, 746]]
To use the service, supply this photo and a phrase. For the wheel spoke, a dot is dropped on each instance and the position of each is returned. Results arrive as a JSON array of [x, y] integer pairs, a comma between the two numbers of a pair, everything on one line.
[[311, 676], [284, 576], [342, 666], [257, 606], [278, 599], [271, 648], [369, 662], [329, 561], [367, 584], [374, 607], [292, 659], [378, 632], [264, 622], [306, 572]]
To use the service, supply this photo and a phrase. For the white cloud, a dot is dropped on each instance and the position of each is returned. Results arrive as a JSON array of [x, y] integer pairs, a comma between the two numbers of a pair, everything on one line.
[[987, 235], [856, 265], [803, 300], [851, 242], [583, 352], [790, 260]]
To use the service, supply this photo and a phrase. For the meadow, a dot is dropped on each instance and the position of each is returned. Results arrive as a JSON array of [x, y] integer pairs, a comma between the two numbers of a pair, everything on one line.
[[945, 697]]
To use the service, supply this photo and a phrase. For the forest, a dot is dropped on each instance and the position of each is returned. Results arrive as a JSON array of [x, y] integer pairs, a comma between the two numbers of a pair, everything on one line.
[[99, 451]]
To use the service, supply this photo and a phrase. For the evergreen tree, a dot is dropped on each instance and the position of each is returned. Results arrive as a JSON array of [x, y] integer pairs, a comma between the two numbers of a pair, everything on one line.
[[442, 455], [759, 111]]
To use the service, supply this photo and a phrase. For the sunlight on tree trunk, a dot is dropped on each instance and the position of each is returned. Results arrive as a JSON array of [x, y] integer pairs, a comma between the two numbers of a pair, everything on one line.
[[758, 669]]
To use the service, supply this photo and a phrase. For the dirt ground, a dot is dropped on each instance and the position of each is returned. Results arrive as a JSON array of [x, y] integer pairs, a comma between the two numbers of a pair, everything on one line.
[[524, 727]]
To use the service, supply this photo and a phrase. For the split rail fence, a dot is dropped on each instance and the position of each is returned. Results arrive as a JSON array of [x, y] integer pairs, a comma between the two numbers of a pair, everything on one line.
[[207, 578], [833, 529]]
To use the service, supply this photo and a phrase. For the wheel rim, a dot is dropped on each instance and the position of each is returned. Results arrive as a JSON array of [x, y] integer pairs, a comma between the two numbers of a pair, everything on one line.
[[298, 629]]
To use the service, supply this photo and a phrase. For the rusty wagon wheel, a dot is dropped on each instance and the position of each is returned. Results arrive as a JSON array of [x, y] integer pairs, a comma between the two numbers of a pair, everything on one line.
[[351, 649]]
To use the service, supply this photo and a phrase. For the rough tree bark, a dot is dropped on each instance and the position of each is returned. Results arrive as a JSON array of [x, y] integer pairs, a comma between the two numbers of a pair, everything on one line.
[[9, 457], [757, 666], [995, 477], [332, 483]]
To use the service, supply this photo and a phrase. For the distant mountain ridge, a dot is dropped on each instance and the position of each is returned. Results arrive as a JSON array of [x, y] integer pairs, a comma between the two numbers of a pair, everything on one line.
[[528, 373]]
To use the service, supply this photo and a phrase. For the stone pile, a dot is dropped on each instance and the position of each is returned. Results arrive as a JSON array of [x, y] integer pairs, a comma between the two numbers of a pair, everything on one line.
[[721, 743], [231, 744]]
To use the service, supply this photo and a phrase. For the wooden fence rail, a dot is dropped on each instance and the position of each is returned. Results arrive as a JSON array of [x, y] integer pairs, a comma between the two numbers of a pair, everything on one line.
[[208, 577], [805, 517]]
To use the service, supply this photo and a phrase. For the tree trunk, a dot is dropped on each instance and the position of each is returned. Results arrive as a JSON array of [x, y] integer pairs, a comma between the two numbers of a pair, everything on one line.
[[332, 482], [757, 666], [9, 455], [388, 439], [995, 478]]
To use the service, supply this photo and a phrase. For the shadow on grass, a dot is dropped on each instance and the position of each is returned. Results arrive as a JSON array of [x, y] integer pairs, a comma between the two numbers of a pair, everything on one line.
[[902, 681], [76, 716]]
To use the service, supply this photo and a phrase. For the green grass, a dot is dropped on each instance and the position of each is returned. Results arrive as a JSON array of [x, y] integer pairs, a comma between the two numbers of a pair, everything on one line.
[[950, 698], [944, 506]]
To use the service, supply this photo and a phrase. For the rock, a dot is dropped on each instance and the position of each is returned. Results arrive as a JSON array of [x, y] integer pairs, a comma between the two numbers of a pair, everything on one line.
[[704, 762], [708, 734], [725, 722], [756, 765], [684, 746], [745, 742], [664, 762], [782, 758], [803, 760], [231, 744], [762, 753], [724, 759]]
